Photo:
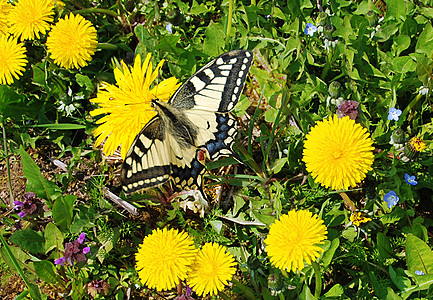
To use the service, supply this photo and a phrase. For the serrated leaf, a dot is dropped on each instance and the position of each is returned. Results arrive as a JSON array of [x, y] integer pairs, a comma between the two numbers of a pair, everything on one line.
[[419, 256], [29, 240], [36, 182]]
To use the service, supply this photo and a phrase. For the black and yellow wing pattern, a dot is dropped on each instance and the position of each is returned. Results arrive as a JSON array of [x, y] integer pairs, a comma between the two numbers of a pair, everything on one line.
[[194, 121]]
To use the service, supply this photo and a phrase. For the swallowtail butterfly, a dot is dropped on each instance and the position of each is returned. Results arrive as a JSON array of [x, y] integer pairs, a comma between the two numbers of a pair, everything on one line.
[[195, 120]]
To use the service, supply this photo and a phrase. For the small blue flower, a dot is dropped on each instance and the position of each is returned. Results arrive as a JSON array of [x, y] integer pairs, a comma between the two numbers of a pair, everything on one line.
[[410, 179], [417, 272], [391, 198], [394, 114], [169, 28], [310, 29]]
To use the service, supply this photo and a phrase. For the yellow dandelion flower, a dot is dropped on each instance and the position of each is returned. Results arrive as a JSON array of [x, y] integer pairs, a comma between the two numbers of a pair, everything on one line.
[[5, 8], [338, 152], [29, 19], [12, 59], [416, 144], [213, 268], [72, 42], [357, 218], [126, 107], [293, 239], [164, 258]]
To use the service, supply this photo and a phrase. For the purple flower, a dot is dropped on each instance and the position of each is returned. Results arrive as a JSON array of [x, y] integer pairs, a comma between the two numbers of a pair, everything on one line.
[[394, 114], [417, 272], [348, 108], [18, 204], [391, 198], [21, 214], [81, 238], [310, 29], [60, 261], [75, 251], [410, 179]]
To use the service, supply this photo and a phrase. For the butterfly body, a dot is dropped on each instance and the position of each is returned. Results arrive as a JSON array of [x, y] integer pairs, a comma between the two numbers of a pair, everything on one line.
[[194, 121]]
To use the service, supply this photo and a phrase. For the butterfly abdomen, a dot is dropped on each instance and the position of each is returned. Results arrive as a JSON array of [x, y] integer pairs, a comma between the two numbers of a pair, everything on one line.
[[177, 124]]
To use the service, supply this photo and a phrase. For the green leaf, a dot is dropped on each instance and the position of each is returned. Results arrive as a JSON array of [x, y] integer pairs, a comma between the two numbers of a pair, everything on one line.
[[53, 238], [36, 182], [61, 126], [83, 80], [13, 105], [419, 256], [399, 278], [424, 43], [29, 240], [46, 271], [334, 292], [383, 246], [144, 37], [62, 211], [329, 253], [215, 39], [403, 64], [217, 225], [306, 294]]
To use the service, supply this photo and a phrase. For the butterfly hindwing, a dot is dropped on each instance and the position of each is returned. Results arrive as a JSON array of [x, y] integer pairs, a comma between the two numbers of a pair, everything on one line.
[[194, 123]]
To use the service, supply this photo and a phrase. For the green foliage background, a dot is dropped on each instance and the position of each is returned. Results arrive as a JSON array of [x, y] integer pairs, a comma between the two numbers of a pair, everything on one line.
[[382, 60]]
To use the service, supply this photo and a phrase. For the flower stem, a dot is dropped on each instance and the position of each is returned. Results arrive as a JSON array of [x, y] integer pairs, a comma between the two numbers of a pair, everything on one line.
[[96, 10], [5, 149], [318, 276], [229, 20], [107, 46], [410, 106]]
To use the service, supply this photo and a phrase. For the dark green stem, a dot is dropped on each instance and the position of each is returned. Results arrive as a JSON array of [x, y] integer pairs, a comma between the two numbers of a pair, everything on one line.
[[318, 276], [5, 149], [97, 11], [410, 106]]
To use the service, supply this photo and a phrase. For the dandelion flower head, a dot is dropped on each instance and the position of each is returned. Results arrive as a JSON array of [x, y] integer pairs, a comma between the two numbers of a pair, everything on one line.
[[338, 152], [5, 8], [416, 144], [72, 42], [13, 59], [30, 19], [164, 258], [127, 106], [294, 238], [357, 218], [211, 270]]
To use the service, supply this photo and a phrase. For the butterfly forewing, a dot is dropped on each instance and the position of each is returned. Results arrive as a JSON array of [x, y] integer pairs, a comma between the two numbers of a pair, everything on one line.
[[196, 120], [147, 162]]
